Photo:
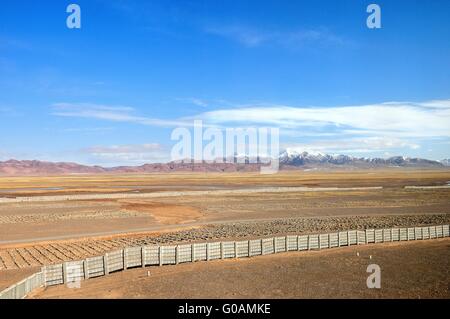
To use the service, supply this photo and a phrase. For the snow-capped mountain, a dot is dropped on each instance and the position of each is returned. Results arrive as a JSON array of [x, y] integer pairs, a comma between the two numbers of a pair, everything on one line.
[[291, 157]]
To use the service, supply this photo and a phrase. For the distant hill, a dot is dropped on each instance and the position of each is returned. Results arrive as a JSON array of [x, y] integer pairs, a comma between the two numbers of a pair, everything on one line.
[[289, 160]]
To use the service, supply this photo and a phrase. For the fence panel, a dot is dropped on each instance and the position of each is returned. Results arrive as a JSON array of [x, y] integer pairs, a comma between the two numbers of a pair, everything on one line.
[[411, 234], [95, 267], [214, 251], [395, 234], [324, 241], [387, 235], [168, 255], [425, 232], [303, 242], [418, 233], [184, 253], [403, 234], [8, 293], [242, 248], [370, 236], [432, 231], [378, 235], [255, 247], [199, 252], [313, 242], [74, 271], [53, 275], [446, 230], [228, 249], [132, 257], [19, 290], [343, 238], [151, 255], [439, 231], [360, 237], [353, 237], [334, 240], [292, 243], [115, 260], [267, 246], [280, 244]]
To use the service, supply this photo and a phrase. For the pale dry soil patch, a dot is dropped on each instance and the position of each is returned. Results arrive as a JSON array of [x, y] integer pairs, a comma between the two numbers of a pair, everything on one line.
[[419, 269]]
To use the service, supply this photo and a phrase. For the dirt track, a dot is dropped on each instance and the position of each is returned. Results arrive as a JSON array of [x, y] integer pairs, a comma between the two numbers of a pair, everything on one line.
[[337, 273]]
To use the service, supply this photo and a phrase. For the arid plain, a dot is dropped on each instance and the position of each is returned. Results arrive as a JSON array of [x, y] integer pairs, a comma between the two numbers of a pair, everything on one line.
[[46, 220]]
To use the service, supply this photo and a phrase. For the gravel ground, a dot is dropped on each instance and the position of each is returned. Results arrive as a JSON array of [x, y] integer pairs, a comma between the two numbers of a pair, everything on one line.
[[295, 226]]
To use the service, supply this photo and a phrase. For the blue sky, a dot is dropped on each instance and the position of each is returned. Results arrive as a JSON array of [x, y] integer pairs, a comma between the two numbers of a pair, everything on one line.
[[111, 92]]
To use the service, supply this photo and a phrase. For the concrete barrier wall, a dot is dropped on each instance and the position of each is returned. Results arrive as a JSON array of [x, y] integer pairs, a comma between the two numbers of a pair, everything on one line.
[[303, 242], [75, 271], [334, 240], [21, 289], [242, 249], [214, 251], [94, 267], [132, 257], [280, 244], [228, 249], [267, 246], [151, 255], [255, 247], [199, 252]]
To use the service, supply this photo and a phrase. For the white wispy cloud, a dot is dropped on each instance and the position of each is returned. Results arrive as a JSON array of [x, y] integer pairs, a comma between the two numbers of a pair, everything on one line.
[[403, 119], [353, 145], [109, 113], [195, 101], [253, 37], [395, 126]]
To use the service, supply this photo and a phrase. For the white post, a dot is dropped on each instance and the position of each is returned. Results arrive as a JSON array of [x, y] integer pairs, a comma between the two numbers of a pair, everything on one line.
[[143, 256], [125, 257], [44, 275], [64, 270], [86, 269], [105, 263]]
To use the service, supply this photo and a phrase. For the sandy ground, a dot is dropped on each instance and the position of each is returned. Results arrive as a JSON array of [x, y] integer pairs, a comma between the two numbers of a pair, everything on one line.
[[408, 270]]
